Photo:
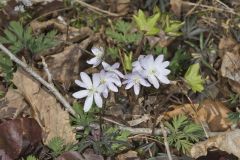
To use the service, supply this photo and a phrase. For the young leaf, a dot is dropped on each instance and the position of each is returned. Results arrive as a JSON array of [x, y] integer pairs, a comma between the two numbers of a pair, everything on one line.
[[193, 78], [128, 61], [148, 25]]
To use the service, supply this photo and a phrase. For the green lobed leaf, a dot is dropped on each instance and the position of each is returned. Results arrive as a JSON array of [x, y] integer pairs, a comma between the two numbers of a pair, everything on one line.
[[194, 79]]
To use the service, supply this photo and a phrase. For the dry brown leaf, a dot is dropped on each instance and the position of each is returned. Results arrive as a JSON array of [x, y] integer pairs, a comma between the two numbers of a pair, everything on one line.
[[64, 66], [176, 7], [229, 142], [128, 155], [231, 69], [46, 110], [12, 104], [213, 113]]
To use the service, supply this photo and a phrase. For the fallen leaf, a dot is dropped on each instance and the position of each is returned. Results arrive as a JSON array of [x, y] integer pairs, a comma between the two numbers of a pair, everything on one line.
[[230, 68], [71, 155], [46, 110], [228, 141], [64, 66], [4, 156], [213, 113], [20, 137], [176, 7], [12, 104], [128, 155]]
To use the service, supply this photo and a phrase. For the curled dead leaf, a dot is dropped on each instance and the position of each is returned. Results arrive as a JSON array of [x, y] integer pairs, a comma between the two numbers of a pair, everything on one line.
[[46, 110], [210, 112], [20, 137], [228, 141]]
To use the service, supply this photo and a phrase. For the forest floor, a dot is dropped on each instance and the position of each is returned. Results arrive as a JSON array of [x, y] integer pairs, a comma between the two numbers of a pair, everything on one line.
[[120, 79]]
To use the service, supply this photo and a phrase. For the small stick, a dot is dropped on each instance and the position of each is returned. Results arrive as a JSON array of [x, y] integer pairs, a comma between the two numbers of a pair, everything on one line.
[[93, 8], [45, 67], [164, 132], [49, 86]]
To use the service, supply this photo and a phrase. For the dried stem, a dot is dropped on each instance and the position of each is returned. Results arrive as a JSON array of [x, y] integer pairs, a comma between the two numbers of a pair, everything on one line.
[[164, 132], [95, 9], [49, 86]]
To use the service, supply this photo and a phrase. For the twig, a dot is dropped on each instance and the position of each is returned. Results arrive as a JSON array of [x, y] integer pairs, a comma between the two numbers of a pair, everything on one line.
[[132, 130], [93, 8], [210, 7], [49, 86], [45, 67], [148, 131], [164, 132]]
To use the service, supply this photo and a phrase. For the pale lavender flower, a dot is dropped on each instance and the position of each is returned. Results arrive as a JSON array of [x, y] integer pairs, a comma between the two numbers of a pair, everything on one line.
[[135, 80], [19, 8], [27, 3], [155, 70], [112, 68], [136, 65], [109, 82], [92, 91], [98, 52]]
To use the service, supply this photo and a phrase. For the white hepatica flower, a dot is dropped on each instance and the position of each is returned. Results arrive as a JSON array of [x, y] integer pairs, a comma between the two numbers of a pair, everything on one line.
[[93, 90], [135, 80], [19, 8], [137, 65], [109, 82], [112, 68], [27, 3], [98, 52], [155, 70]]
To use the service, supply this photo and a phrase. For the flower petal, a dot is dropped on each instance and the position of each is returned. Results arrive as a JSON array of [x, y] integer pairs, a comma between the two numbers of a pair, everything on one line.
[[105, 65], [144, 82], [136, 89], [129, 85], [153, 80], [147, 61], [88, 103], [159, 59], [93, 61], [80, 94], [112, 87], [98, 100], [165, 64], [116, 65], [80, 83], [163, 79], [105, 93], [86, 79], [118, 73], [97, 51], [96, 79]]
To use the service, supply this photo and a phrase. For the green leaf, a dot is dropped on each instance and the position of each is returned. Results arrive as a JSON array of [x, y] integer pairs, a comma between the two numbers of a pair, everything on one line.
[[31, 158], [56, 144], [183, 133], [194, 79], [148, 25], [128, 61]]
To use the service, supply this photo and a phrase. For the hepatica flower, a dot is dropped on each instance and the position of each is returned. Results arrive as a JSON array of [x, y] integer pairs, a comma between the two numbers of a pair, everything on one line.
[[98, 52], [135, 80], [92, 91], [112, 68], [109, 82], [155, 70]]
